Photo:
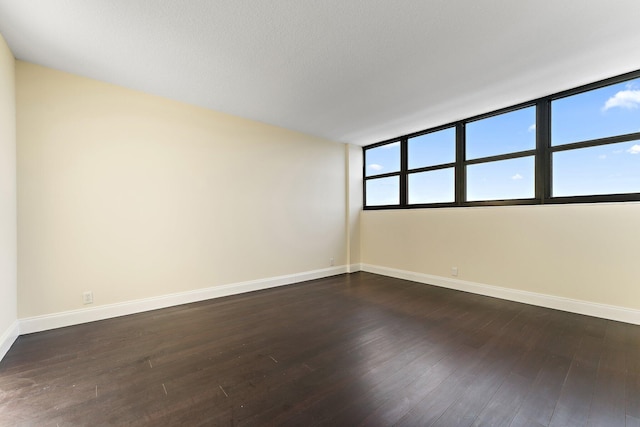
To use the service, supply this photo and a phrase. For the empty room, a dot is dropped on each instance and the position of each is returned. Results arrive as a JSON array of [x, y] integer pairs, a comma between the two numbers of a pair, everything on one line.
[[307, 213]]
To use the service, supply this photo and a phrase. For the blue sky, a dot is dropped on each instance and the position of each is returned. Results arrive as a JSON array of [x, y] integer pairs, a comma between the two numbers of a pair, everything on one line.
[[614, 168]]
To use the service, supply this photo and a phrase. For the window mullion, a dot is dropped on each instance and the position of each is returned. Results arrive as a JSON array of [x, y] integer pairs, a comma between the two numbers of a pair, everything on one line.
[[543, 154], [404, 165], [460, 166]]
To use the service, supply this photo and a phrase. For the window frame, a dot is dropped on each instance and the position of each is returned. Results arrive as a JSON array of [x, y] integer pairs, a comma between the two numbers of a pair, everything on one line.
[[542, 153], [399, 173], [498, 157], [438, 166]]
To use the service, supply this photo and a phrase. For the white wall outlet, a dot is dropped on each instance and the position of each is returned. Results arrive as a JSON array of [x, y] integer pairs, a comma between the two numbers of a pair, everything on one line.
[[87, 297], [454, 271], [331, 261]]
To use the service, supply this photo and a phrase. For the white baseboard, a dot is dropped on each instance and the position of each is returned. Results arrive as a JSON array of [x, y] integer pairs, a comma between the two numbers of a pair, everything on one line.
[[354, 268], [611, 312], [75, 317], [8, 337]]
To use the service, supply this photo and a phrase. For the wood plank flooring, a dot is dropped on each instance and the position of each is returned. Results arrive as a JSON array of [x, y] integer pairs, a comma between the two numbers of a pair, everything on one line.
[[349, 350]]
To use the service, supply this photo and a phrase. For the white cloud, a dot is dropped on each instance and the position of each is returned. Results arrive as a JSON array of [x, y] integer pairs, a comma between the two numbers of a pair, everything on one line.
[[624, 99], [517, 176], [618, 151], [392, 145], [532, 128], [634, 150], [602, 156], [376, 167]]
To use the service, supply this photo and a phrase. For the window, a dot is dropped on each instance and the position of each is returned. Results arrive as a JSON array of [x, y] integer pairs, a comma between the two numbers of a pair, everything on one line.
[[437, 186], [582, 145], [432, 149], [431, 174], [603, 169], [509, 132], [383, 191], [595, 139], [502, 147], [501, 180], [383, 160], [600, 113]]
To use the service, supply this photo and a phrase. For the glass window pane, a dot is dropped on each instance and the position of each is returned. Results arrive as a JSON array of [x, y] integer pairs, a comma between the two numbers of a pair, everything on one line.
[[432, 187], [506, 133], [502, 180], [608, 111], [606, 169], [383, 159], [432, 149], [383, 191]]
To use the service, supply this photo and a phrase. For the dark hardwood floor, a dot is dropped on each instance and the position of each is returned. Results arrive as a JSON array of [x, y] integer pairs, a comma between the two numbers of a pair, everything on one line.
[[349, 350]]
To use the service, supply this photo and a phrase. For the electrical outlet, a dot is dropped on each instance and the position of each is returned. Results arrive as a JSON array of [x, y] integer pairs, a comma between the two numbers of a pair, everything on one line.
[[331, 261], [454, 271], [87, 297]]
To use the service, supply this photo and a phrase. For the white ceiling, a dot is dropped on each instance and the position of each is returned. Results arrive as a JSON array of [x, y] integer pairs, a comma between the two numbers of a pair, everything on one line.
[[356, 71]]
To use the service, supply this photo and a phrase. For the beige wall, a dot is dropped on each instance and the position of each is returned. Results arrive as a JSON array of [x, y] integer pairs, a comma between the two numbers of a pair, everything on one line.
[[8, 281], [354, 201], [135, 196], [583, 252]]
